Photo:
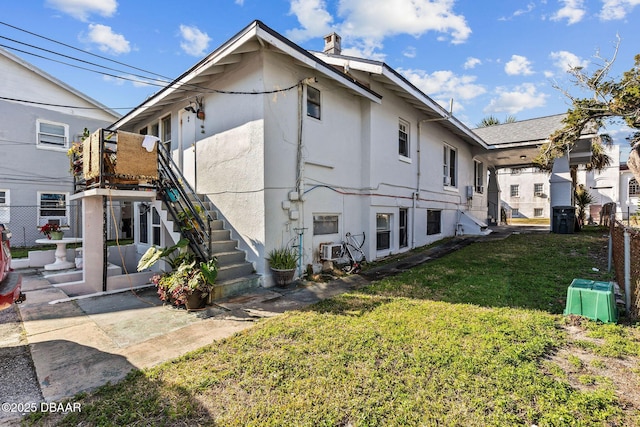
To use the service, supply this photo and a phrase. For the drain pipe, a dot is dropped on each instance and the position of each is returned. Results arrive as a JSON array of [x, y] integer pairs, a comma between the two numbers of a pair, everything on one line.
[[416, 194]]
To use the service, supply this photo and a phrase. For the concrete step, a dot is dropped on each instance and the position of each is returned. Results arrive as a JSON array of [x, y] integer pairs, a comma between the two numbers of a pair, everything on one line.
[[225, 288], [233, 257], [223, 246], [220, 235], [234, 271]]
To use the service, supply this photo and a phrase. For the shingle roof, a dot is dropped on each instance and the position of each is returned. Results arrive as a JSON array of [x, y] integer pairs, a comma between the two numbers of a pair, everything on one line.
[[538, 129]]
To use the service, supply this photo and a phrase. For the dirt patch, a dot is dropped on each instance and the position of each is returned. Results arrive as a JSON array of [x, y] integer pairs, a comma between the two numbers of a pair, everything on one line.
[[586, 370]]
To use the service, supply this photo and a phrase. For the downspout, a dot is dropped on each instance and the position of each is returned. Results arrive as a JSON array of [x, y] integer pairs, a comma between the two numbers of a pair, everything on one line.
[[300, 168], [416, 195]]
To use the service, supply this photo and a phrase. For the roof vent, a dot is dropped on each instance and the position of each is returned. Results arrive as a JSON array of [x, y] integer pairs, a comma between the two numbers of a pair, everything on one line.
[[332, 44]]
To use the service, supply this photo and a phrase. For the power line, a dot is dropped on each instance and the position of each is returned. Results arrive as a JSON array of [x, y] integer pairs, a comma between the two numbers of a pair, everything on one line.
[[83, 51]]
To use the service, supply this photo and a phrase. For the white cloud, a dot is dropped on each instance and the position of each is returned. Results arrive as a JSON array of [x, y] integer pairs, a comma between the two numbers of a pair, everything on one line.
[[444, 85], [194, 42], [240, 2], [617, 9], [82, 9], [410, 52], [518, 66], [513, 101], [573, 11], [366, 27], [471, 62], [313, 17], [564, 60], [519, 12], [107, 40]]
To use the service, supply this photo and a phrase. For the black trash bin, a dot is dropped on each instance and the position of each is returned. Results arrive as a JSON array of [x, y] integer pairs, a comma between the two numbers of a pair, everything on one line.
[[564, 219]]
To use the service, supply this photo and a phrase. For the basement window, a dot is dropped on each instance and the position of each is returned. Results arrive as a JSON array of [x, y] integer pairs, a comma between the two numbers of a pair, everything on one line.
[[325, 224]]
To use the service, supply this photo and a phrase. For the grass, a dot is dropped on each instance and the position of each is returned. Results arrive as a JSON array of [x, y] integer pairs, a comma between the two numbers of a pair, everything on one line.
[[475, 338], [23, 251]]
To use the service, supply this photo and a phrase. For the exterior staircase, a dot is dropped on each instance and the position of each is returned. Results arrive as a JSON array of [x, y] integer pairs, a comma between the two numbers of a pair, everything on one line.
[[189, 215]]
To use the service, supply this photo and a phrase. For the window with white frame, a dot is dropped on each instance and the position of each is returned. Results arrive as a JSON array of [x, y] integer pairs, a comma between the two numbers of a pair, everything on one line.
[[52, 209], [403, 138], [5, 212], [383, 231], [155, 227], [515, 190], [165, 128], [449, 166], [313, 102], [325, 224], [143, 217], [52, 135], [478, 176], [634, 188], [434, 221], [537, 212], [515, 212], [538, 189]]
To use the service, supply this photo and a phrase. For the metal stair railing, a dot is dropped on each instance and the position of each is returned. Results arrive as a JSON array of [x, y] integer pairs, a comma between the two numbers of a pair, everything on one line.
[[184, 206]]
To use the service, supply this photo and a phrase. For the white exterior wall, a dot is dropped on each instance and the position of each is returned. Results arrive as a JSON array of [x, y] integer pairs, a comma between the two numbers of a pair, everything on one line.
[[27, 169], [630, 208], [527, 201]]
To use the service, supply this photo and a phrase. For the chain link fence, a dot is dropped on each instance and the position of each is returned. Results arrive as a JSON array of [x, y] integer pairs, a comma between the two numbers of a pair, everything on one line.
[[24, 222], [618, 230]]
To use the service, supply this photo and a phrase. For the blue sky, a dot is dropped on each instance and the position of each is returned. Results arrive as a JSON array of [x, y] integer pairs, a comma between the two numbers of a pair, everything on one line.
[[499, 58]]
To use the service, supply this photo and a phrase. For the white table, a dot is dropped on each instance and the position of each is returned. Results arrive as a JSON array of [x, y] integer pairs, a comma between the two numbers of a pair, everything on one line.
[[61, 262]]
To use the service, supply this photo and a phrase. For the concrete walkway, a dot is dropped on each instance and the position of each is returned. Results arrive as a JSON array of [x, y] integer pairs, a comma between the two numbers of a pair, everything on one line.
[[80, 344]]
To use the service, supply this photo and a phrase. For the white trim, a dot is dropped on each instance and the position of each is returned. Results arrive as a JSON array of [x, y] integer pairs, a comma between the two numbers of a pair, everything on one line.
[[50, 146]]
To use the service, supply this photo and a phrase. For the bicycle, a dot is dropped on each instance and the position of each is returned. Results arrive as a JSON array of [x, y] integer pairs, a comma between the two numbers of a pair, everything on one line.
[[352, 250]]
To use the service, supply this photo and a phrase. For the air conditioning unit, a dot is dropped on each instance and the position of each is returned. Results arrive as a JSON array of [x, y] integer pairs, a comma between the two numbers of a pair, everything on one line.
[[446, 180], [479, 189], [330, 252]]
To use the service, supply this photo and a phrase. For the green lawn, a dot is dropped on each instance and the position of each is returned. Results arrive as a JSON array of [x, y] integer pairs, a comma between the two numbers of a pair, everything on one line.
[[473, 339]]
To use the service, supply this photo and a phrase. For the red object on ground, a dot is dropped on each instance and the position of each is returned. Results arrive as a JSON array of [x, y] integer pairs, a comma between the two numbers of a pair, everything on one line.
[[10, 283]]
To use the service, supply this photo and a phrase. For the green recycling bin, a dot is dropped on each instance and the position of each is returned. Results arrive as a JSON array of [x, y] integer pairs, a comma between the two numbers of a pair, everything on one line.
[[593, 300]]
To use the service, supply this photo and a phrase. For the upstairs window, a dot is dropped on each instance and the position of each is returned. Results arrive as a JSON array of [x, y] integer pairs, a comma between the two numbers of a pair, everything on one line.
[[515, 190], [52, 135], [538, 189], [313, 102], [449, 167], [403, 138]]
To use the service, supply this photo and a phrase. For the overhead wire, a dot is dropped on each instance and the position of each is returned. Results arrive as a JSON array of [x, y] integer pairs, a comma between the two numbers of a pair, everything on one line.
[[163, 82]]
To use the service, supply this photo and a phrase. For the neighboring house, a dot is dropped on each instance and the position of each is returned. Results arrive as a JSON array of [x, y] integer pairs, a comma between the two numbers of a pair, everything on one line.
[[298, 147], [525, 191], [39, 118], [629, 202]]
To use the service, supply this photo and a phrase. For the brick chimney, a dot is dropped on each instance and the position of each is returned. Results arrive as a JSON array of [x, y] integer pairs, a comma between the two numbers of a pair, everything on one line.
[[332, 44]]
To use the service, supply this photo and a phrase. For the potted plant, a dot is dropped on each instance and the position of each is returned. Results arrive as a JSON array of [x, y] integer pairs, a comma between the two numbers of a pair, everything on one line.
[[189, 283], [52, 231], [283, 262]]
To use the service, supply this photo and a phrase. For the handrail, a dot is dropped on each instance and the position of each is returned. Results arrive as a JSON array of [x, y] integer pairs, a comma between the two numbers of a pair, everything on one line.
[[184, 205]]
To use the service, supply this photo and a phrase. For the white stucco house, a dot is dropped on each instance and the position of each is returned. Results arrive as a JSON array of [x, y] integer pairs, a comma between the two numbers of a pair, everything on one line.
[[299, 147], [39, 118], [629, 202], [525, 191]]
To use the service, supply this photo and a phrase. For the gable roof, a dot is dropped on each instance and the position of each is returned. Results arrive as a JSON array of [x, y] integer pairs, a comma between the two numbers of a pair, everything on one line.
[[252, 38], [32, 68], [398, 84], [257, 35]]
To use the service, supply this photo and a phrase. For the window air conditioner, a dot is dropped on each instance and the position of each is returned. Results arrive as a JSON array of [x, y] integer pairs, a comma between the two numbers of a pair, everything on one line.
[[479, 189], [330, 252], [446, 180]]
